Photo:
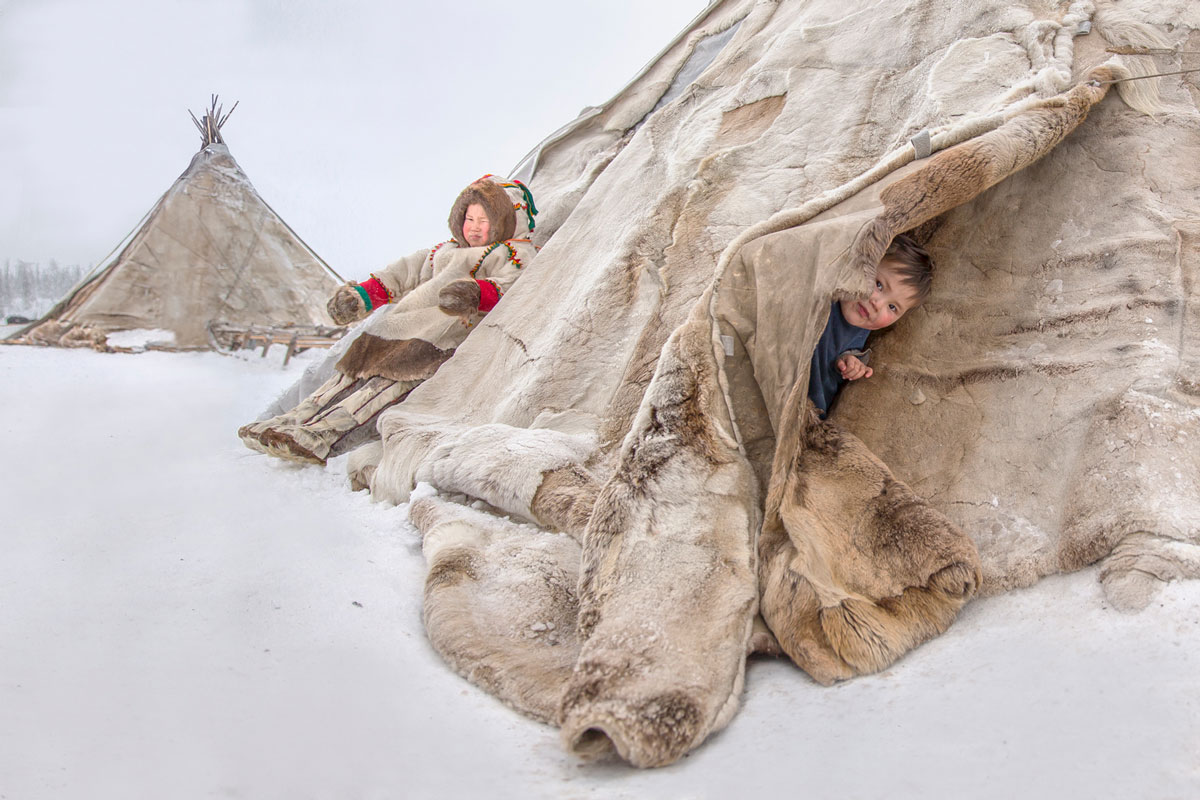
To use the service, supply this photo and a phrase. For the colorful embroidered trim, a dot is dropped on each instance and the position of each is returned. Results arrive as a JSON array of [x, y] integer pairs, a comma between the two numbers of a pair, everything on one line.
[[380, 293], [376, 294], [528, 207], [437, 247], [512, 254]]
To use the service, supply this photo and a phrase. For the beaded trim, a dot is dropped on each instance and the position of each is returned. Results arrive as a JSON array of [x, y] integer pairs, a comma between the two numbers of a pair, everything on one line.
[[437, 247], [391, 296], [512, 254], [528, 207]]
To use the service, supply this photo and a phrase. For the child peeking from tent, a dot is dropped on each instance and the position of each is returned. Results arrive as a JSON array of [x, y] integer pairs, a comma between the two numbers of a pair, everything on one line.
[[902, 282]]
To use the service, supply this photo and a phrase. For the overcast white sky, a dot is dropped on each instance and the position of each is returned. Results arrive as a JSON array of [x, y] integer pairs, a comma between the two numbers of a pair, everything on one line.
[[359, 119]]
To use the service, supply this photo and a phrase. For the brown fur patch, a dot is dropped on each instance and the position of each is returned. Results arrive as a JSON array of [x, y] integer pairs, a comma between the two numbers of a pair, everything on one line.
[[450, 569], [1187, 386], [960, 173], [746, 123], [372, 356], [284, 446], [460, 297], [1091, 315], [589, 612], [670, 722], [681, 415], [247, 433], [790, 608], [821, 440], [1084, 544], [663, 726], [565, 498], [902, 569], [495, 201]]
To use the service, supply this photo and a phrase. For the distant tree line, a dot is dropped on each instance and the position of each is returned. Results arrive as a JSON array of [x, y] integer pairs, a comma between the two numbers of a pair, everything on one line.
[[29, 290]]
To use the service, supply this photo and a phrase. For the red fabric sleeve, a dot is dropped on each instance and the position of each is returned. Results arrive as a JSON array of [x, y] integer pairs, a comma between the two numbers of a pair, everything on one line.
[[376, 291], [489, 295]]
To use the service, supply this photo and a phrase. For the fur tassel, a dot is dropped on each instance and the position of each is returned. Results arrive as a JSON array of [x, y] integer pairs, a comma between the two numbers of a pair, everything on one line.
[[1120, 29]]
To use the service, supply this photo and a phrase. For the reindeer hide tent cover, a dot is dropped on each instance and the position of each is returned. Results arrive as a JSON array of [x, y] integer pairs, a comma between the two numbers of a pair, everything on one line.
[[633, 416], [209, 250]]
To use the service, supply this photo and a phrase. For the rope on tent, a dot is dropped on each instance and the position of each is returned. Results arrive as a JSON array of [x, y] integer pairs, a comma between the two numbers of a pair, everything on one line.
[[1129, 50], [1143, 77]]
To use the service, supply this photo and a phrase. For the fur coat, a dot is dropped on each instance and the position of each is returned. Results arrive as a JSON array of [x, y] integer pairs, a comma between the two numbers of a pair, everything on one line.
[[410, 337]]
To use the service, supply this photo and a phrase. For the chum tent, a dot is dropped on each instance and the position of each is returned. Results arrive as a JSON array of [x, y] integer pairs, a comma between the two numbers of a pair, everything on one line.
[[209, 251], [644, 484]]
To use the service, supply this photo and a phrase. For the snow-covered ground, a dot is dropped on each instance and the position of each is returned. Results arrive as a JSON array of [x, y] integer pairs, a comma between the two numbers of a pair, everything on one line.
[[183, 618]]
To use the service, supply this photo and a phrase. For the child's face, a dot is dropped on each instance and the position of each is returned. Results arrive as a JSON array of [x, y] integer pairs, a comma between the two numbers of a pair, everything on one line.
[[476, 226], [891, 298]]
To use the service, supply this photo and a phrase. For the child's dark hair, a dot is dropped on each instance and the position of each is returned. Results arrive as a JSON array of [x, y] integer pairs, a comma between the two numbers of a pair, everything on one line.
[[913, 264]]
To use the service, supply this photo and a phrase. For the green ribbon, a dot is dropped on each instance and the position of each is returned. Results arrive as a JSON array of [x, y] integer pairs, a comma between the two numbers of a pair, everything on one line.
[[530, 209], [365, 297]]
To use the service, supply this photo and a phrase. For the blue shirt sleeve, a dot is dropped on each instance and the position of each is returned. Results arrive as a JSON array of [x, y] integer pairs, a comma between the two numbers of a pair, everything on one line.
[[824, 380]]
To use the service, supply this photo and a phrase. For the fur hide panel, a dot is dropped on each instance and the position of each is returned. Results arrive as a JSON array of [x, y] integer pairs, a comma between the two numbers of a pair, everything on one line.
[[1151, 535], [856, 570], [957, 175], [1060, 341], [500, 603], [642, 386], [667, 593], [397, 359], [500, 464]]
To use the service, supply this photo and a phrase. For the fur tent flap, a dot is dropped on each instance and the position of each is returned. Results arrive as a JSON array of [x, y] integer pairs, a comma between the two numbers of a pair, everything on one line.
[[500, 603], [857, 570], [667, 590]]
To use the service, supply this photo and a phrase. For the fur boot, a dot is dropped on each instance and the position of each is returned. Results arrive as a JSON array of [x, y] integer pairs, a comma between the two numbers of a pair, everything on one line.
[[333, 420]]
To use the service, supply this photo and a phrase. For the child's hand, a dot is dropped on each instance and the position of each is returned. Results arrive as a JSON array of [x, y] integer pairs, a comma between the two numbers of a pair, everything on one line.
[[852, 369]]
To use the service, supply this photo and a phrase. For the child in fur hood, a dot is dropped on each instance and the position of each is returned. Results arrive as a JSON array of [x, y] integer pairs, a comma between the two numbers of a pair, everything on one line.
[[902, 282], [427, 303], [483, 215]]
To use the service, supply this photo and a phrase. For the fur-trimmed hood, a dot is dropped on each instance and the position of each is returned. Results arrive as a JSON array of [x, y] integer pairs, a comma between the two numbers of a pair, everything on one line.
[[495, 201]]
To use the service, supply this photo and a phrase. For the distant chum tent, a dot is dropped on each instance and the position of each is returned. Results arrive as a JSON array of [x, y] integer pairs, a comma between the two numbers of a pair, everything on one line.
[[210, 251]]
